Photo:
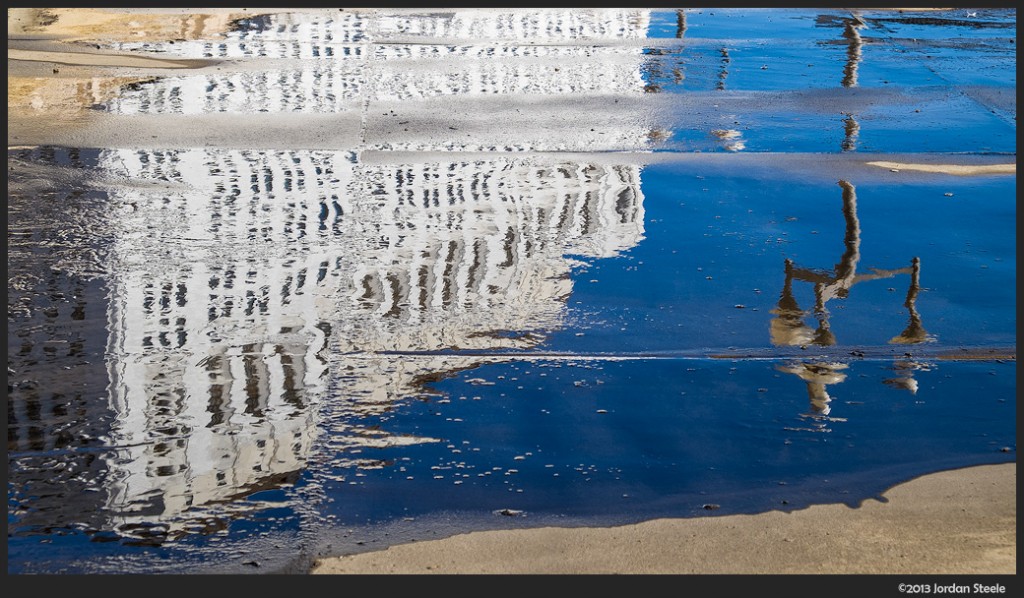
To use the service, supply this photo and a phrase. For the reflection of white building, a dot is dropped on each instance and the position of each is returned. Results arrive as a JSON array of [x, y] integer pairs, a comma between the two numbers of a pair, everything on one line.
[[258, 296], [334, 61], [227, 291]]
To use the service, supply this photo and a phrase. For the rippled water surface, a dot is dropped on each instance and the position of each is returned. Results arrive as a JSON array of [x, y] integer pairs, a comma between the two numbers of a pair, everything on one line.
[[376, 276]]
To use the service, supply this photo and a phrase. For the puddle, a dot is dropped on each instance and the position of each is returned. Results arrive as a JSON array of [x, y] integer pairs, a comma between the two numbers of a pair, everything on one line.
[[233, 350]]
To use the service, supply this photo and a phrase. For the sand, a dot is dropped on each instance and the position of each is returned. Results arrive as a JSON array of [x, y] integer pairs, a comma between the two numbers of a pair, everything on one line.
[[957, 169], [962, 521]]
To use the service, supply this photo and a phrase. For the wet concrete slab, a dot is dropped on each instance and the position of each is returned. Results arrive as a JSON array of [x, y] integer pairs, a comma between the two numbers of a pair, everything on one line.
[[362, 277]]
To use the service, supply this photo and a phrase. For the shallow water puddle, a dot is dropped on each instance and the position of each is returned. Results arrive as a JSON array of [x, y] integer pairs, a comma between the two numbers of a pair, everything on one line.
[[694, 299]]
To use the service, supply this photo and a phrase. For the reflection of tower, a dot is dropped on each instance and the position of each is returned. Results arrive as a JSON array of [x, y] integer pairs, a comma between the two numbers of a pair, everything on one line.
[[263, 259], [553, 25], [788, 328], [530, 51], [250, 285], [332, 62], [214, 342], [314, 66], [466, 256], [478, 246]]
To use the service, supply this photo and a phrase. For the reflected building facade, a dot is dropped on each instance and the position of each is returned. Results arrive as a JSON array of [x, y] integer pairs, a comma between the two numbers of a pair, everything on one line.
[[323, 62], [260, 297]]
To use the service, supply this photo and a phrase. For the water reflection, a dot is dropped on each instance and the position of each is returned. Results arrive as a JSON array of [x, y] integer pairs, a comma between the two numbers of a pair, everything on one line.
[[248, 327], [251, 286], [680, 23], [723, 71], [914, 332], [904, 378], [790, 328], [817, 375], [305, 62], [57, 417], [258, 299], [851, 38], [854, 43], [330, 62], [851, 133], [851, 33]]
